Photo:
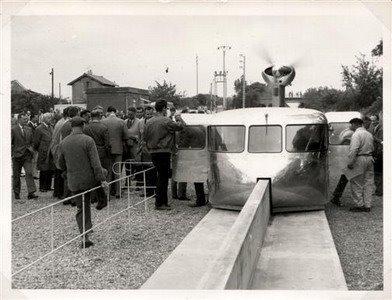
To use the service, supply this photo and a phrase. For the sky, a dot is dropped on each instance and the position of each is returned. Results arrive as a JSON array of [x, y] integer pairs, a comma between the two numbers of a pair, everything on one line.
[[135, 50]]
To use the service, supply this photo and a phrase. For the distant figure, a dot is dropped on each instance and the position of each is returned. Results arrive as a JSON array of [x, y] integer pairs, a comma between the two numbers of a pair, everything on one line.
[[117, 135], [79, 157], [22, 156], [360, 166], [41, 142], [159, 139]]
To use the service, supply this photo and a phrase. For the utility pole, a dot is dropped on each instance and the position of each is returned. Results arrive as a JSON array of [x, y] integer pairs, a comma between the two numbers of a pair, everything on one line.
[[218, 78], [197, 75], [211, 96], [243, 79], [52, 73], [60, 90], [224, 48]]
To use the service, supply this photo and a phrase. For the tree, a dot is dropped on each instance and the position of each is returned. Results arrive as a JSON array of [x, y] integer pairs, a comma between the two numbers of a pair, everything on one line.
[[253, 93], [364, 81], [32, 101], [165, 91], [378, 50]]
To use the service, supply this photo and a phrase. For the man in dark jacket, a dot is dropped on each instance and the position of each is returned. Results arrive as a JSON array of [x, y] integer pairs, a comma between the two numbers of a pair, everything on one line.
[[79, 156], [100, 134], [41, 143], [22, 155], [118, 134], [159, 139]]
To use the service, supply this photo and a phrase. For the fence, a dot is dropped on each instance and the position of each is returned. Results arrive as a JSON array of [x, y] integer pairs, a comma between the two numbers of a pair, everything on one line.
[[84, 232]]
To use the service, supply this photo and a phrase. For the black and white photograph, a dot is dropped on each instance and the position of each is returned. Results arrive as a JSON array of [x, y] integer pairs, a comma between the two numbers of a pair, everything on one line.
[[188, 150]]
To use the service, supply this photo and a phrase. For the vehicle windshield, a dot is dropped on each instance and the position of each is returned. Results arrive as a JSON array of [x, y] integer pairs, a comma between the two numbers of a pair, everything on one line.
[[306, 138], [191, 137], [226, 138], [339, 133], [265, 139]]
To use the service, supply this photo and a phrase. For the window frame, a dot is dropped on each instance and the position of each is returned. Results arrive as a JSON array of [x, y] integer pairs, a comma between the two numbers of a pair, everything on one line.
[[326, 125], [270, 125], [229, 125], [205, 138]]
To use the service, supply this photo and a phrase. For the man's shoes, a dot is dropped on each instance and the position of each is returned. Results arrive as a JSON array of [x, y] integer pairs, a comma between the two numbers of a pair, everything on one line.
[[32, 196], [87, 244], [17, 196], [360, 209], [195, 205], [163, 207], [101, 205], [336, 202]]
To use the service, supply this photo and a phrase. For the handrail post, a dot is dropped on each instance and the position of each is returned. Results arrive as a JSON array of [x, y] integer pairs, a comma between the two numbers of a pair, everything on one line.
[[84, 222], [129, 199], [52, 236], [145, 191]]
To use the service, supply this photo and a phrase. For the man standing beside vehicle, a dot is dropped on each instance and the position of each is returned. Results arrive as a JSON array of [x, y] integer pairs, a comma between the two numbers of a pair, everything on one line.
[[360, 166], [159, 139]]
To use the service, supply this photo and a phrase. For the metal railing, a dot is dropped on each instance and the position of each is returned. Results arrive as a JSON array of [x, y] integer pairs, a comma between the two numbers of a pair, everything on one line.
[[83, 234]]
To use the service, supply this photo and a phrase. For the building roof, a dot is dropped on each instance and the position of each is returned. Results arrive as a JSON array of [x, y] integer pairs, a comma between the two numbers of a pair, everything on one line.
[[17, 87], [123, 89], [102, 80]]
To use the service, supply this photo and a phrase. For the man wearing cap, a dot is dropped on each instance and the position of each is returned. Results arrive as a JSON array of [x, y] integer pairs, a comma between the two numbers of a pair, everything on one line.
[[117, 135], [360, 166], [158, 137], [79, 157]]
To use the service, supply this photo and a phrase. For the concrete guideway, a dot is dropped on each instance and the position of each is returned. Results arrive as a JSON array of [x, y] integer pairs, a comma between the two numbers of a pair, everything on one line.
[[299, 254], [232, 250]]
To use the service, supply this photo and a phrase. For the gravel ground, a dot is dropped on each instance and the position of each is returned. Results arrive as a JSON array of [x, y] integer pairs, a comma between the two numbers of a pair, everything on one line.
[[125, 254], [358, 238]]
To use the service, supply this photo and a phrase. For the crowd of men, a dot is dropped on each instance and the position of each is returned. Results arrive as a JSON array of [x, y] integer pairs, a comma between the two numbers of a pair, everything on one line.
[[85, 149], [364, 170]]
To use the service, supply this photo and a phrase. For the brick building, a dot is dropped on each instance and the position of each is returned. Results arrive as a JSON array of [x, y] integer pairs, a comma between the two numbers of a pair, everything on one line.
[[119, 97], [87, 81]]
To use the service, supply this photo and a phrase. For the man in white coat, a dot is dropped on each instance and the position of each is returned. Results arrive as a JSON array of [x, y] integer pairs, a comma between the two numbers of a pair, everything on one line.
[[360, 166]]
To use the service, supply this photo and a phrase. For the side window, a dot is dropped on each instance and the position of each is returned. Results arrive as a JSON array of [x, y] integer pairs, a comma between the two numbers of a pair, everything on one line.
[[340, 133], [306, 138], [191, 137], [267, 139], [226, 138]]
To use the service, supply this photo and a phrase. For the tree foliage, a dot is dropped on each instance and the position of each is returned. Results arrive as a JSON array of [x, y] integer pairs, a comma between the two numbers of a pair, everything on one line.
[[254, 92], [31, 101], [362, 88], [165, 91]]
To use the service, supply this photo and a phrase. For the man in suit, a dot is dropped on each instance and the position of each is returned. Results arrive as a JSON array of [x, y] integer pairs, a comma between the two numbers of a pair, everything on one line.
[[117, 135], [100, 134], [54, 153], [41, 143], [22, 155], [79, 157]]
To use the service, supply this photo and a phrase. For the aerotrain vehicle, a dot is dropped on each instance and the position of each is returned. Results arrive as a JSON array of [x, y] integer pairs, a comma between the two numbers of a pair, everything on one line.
[[287, 146], [339, 140]]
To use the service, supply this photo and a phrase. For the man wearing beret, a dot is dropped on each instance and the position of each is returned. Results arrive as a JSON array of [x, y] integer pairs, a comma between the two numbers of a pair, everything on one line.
[[79, 156]]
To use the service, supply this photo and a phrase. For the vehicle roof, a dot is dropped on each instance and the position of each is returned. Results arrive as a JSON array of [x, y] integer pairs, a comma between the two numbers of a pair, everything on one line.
[[196, 119], [268, 115], [342, 116]]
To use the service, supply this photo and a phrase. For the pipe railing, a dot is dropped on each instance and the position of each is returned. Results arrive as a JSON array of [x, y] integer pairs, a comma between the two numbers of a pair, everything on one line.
[[84, 231]]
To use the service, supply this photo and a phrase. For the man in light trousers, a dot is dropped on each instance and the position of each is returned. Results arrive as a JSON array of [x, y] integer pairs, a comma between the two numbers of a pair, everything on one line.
[[360, 167]]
